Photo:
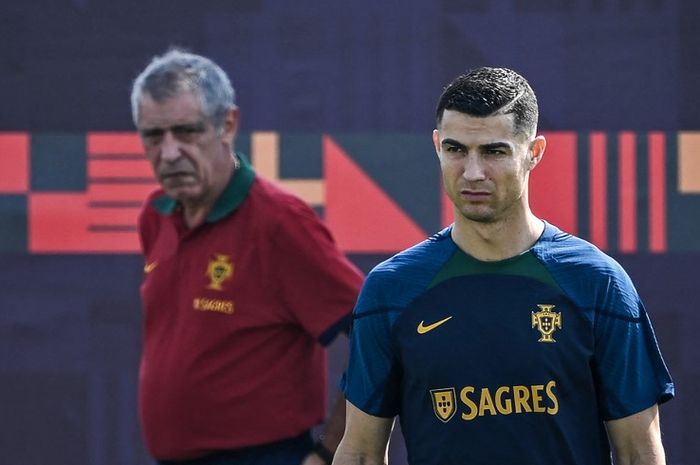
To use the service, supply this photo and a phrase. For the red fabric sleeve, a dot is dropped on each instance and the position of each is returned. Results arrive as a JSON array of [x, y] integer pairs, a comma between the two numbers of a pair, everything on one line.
[[319, 284]]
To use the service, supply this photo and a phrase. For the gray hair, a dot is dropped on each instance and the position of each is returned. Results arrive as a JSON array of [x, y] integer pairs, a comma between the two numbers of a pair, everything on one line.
[[177, 72]]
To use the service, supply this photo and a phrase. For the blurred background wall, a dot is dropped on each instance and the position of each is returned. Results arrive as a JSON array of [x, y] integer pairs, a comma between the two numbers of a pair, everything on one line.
[[338, 104]]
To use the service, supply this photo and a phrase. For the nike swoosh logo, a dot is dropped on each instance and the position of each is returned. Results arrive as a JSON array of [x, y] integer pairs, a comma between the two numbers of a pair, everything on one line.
[[148, 267], [422, 328]]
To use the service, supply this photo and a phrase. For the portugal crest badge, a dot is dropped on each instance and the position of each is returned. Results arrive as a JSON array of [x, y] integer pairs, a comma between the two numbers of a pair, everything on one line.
[[546, 321], [444, 403], [219, 270]]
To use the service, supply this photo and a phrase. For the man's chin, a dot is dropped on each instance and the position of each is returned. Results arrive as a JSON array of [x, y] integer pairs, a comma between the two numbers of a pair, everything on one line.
[[479, 216], [183, 193]]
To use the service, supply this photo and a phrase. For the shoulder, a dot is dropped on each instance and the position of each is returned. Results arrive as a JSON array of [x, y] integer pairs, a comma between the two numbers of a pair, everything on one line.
[[416, 258], [277, 204], [149, 220], [399, 279], [585, 272], [560, 247], [148, 213], [287, 223]]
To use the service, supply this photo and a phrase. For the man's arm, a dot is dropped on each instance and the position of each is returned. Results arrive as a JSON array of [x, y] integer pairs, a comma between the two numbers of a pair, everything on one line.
[[636, 439], [365, 440], [332, 433]]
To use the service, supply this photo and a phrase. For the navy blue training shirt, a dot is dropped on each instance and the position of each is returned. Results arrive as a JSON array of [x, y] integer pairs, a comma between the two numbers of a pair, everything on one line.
[[518, 361]]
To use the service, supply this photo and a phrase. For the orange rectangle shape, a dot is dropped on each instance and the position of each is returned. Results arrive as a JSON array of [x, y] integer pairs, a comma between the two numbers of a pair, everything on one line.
[[689, 162], [114, 143], [14, 163], [119, 168]]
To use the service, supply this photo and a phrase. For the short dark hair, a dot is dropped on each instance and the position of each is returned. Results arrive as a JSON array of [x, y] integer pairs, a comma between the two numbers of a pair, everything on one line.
[[489, 91]]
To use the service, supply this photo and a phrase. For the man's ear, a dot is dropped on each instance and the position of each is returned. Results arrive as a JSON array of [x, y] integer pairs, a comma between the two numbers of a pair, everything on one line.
[[537, 147], [436, 141], [230, 126]]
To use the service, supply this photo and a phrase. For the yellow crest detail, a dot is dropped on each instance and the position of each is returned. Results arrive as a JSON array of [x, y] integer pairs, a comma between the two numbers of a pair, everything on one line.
[[444, 403], [148, 267], [546, 321], [218, 271]]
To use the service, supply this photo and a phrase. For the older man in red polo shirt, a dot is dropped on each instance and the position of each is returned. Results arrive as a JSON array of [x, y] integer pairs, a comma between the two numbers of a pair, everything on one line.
[[243, 287]]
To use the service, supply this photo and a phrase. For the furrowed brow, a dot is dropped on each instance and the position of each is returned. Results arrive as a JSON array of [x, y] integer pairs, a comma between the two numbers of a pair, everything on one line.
[[453, 143], [496, 145], [150, 132]]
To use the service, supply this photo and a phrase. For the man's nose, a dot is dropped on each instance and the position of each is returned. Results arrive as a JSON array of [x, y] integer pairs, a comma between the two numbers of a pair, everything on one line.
[[473, 168], [170, 148]]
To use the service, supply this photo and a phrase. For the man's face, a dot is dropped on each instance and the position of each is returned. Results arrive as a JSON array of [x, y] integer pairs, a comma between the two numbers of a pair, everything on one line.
[[191, 158], [485, 166]]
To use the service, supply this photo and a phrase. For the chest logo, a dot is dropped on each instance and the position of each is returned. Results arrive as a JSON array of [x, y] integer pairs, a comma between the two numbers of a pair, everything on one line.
[[423, 328], [148, 267], [444, 403], [546, 321], [219, 270]]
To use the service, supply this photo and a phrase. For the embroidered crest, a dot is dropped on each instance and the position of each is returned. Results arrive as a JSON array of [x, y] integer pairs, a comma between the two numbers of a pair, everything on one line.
[[148, 267], [444, 403], [218, 271], [546, 321]]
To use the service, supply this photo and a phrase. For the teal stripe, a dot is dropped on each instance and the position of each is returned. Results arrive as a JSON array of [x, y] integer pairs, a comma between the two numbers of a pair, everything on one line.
[[526, 265]]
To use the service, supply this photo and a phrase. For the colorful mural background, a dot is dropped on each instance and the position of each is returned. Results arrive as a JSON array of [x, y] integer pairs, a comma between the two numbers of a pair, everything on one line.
[[337, 101]]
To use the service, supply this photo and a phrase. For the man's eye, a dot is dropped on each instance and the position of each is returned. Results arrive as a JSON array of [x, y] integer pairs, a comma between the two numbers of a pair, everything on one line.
[[187, 130], [152, 136], [151, 133], [453, 148]]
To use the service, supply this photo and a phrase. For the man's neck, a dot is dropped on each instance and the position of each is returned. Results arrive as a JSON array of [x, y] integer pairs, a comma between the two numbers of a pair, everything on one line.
[[195, 214], [497, 240]]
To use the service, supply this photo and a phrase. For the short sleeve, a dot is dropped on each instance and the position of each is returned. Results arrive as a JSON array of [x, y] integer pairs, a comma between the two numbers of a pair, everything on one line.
[[319, 285], [628, 365], [372, 379]]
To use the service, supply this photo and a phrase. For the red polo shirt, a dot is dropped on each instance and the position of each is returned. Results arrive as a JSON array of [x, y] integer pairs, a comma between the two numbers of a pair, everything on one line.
[[235, 312]]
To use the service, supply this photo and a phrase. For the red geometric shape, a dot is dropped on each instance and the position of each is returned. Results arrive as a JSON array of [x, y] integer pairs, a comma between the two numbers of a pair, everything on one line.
[[627, 200], [598, 188], [119, 169], [657, 192], [14, 163], [114, 143], [102, 219], [62, 223], [124, 217], [553, 183], [362, 217], [123, 192]]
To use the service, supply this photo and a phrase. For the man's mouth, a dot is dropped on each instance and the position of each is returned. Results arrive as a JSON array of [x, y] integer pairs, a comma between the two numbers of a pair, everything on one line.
[[475, 194], [175, 174], [176, 178]]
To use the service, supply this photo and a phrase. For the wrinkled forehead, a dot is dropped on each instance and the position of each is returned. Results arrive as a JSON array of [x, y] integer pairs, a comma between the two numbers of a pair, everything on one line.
[[182, 108]]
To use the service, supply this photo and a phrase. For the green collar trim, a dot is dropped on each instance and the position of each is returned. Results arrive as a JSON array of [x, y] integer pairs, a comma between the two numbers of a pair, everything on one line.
[[231, 198], [525, 264]]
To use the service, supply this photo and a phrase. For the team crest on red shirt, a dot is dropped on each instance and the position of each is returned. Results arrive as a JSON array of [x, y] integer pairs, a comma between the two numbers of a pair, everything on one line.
[[219, 270]]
